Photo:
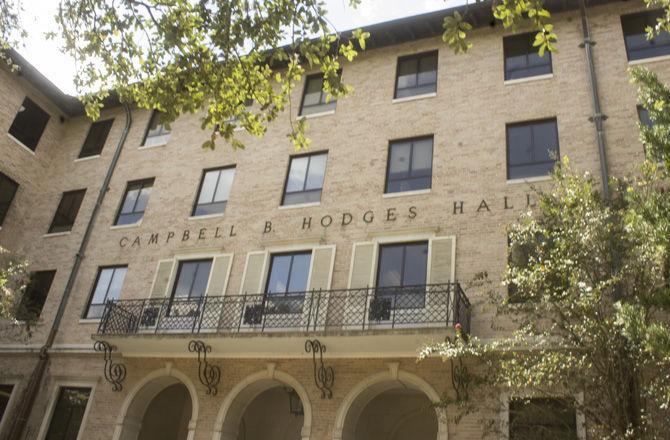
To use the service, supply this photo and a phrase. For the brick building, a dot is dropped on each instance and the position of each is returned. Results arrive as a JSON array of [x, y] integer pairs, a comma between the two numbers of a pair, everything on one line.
[[358, 243]]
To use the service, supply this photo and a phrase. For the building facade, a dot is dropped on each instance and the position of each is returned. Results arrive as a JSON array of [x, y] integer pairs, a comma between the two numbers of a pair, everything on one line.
[[364, 244]]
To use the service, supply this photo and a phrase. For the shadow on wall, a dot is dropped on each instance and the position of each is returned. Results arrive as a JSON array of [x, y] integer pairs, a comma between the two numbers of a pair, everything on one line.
[[269, 416], [168, 415]]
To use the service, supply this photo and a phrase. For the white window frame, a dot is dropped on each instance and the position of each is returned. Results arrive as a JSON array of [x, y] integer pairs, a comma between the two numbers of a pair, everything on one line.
[[51, 406]]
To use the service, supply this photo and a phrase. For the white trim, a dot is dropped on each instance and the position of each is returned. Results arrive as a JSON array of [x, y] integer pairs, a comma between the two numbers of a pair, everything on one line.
[[205, 217], [153, 283], [55, 390], [84, 159], [510, 82], [300, 205], [529, 179], [649, 60], [56, 234], [21, 144], [148, 147], [317, 115], [414, 97], [14, 382], [417, 192], [90, 320], [130, 225]]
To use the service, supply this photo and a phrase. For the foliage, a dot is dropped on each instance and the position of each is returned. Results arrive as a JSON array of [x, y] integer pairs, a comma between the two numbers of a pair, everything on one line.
[[13, 280], [11, 31], [591, 295]]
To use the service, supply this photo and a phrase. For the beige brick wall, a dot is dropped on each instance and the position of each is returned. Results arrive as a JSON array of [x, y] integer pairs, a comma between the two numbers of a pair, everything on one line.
[[467, 119]]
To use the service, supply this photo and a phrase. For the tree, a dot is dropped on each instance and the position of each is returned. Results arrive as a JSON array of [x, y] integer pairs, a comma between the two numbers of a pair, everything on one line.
[[13, 281], [11, 31], [590, 295]]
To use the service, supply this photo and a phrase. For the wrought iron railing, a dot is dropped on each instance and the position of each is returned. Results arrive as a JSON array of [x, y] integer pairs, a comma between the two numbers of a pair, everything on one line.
[[436, 305]]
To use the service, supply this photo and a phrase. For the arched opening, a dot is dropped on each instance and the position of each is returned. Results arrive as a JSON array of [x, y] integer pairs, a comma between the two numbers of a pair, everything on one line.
[[167, 415]]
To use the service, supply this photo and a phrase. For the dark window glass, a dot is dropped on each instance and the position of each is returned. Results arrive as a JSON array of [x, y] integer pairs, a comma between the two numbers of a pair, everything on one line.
[[416, 75], [522, 59], [401, 274], [29, 124], [314, 98], [67, 211], [8, 189], [36, 294], [304, 180], [532, 148], [550, 419], [192, 278], [5, 395], [68, 413], [134, 202], [96, 138], [643, 115], [157, 131], [287, 281], [635, 35], [214, 191], [108, 285], [410, 165]]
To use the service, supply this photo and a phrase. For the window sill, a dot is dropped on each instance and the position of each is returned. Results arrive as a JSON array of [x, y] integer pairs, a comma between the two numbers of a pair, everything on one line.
[[649, 60], [130, 225], [317, 115], [150, 146], [406, 193], [415, 97], [529, 179], [90, 320], [84, 159], [300, 205], [21, 144], [510, 82], [205, 217], [56, 234]]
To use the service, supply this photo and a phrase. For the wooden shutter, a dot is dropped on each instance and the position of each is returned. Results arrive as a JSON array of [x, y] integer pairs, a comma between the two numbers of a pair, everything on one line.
[[362, 264], [442, 260], [254, 272], [162, 280], [323, 258], [218, 279]]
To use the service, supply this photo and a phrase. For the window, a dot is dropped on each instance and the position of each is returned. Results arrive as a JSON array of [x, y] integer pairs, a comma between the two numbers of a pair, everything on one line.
[[522, 59], [416, 75], [67, 211], [68, 413], [532, 148], [304, 181], [29, 124], [550, 419], [643, 115], [108, 285], [5, 395], [287, 281], [314, 98], [35, 294], [214, 191], [192, 278], [8, 189], [134, 202], [410, 165], [638, 47], [401, 274], [96, 138], [157, 131]]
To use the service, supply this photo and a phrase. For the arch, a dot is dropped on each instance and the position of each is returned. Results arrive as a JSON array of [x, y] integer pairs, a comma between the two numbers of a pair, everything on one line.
[[237, 400], [366, 390], [129, 421]]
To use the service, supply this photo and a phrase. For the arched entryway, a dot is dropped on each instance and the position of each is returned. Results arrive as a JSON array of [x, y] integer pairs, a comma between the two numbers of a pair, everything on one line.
[[269, 404], [162, 406], [393, 405]]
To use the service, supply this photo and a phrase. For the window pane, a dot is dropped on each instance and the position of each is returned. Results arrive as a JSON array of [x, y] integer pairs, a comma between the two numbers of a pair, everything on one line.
[[299, 272], [36, 293], [522, 59], [416, 261], [297, 174], [186, 277], [201, 279], [67, 210], [210, 209], [101, 288], [295, 198], [68, 413], [225, 184], [313, 91], [317, 169], [116, 284], [5, 394], [8, 189], [399, 163], [279, 272], [422, 157], [129, 202], [519, 138], [142, 201], [390, 266], [545, 144], [29, 124], [96, 138], [643, 115], [407, 73], [428, 70], [637, 44], [208, 186]]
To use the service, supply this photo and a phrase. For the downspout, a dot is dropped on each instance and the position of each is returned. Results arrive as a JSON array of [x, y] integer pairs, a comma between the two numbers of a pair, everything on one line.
[[27, 400], [598, 116]]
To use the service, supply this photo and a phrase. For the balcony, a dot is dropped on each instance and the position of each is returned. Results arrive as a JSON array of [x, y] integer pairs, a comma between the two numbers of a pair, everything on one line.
[[417, 314]]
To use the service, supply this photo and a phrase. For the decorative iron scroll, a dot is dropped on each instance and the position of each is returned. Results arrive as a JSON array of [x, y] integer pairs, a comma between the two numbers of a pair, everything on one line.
[[324, 377], [460, 379], [115, 372], [208, 374]]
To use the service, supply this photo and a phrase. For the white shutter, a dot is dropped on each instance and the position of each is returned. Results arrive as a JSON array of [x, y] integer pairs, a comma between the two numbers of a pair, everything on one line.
[[254, 273], [321, 275], [218, 279], [362, 265], [442, 260], [162, 279]]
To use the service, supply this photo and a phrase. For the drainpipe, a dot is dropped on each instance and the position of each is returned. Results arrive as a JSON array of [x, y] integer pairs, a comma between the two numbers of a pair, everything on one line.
[[27, 400], [598, 116]]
